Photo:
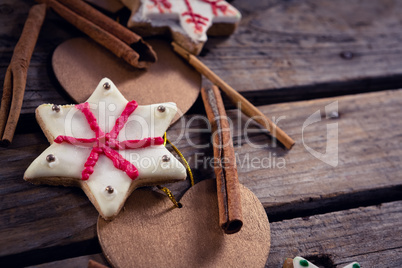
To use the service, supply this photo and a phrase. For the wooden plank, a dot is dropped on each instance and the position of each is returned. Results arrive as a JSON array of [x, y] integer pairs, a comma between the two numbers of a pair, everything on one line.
[[317, 46], [368, 235], [283, 50], [46, 220], [290, 182], [77, 262], [36, 218]]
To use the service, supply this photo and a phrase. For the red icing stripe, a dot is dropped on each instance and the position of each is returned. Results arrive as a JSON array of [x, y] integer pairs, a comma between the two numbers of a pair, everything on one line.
[[160, 4], [136, 144], [120, 163], [74, 141], [215, 6], [122, 120], [90, 163], [84, 108]]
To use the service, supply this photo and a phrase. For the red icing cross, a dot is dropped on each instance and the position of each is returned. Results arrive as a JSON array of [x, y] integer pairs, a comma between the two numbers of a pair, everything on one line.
[[215, 6], [161, 3], [107, 143], [195, 18]]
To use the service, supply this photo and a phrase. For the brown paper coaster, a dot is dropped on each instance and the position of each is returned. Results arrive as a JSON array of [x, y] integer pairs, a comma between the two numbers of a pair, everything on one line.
[[150, 233], [79, 64]]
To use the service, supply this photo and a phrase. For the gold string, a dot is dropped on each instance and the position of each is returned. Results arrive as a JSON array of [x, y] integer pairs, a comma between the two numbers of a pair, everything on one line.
[[190, 174], [170, 195], [166, 190]]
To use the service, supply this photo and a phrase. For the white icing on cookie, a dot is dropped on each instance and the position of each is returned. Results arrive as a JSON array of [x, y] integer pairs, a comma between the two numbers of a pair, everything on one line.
[[190, 17], [299, 262], [353, 265], [106, 105]]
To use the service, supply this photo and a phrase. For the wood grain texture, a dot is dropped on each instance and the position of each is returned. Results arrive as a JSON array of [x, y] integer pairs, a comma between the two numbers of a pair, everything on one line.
[[366, 235], [36, 219], [367, 162], [281, 46], [77, 262], [329, 240], [44, 219], [283, 50]]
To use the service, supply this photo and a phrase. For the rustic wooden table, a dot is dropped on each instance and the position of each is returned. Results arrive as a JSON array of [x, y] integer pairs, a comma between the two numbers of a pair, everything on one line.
[[291, 58]]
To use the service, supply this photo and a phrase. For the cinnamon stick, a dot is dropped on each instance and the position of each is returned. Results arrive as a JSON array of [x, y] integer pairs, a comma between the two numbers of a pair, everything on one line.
[[227, 182], [135, 41], [288, 263], [16, 74], [99, 27], [242, 103], [95, 264]]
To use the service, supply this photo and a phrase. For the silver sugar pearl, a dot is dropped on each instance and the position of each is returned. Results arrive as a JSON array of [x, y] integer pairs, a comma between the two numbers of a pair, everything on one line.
[[50, 158], [161, 108], [333, 114], [106, 85], [56, 108], [165, 158], [109, 189], [347, 55]]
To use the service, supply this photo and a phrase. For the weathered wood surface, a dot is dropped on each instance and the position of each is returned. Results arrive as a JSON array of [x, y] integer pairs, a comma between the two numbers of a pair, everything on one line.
[[320, 46], [367, 168], [48, 220], [77, 262], [36, 218], [365, 235], [282, 50]]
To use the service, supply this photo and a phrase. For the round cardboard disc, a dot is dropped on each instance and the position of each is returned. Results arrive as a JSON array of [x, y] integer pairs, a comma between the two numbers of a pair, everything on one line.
[[149, 232], [79, 64]]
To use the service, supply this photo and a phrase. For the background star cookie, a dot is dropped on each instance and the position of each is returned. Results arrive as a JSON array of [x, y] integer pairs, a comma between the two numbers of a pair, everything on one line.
[[188, 21]]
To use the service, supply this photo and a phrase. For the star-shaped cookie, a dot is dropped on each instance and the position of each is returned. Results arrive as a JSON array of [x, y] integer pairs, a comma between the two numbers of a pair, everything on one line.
[[189, 21], [108, 146]]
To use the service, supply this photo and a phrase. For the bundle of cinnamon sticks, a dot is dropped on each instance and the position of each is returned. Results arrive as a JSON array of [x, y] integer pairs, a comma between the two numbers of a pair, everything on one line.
[[116, 38]]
